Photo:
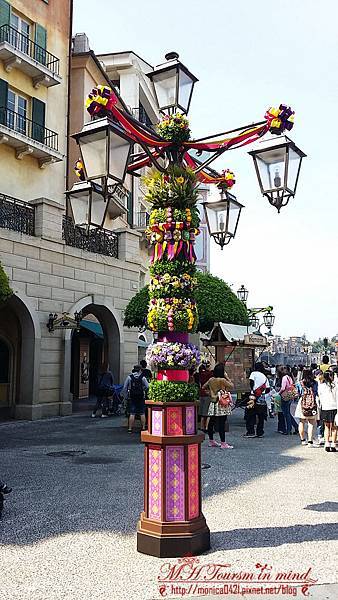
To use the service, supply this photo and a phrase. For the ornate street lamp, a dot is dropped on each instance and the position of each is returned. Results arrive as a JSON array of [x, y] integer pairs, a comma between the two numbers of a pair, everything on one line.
[[173, 84], [254, 322], [269, 319], [277, 162], [222, 217], [242, 294], [90, 206], [105, 150]]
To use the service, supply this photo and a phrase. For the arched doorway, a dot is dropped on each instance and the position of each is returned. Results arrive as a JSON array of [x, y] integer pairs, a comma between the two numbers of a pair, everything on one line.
[[98, 340], [19, 338]]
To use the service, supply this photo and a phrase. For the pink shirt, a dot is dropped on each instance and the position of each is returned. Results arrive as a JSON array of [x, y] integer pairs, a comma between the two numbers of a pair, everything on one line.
[[287, 383]]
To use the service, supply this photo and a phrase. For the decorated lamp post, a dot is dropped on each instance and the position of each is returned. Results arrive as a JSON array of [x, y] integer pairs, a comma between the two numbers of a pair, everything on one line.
[[172, 522]]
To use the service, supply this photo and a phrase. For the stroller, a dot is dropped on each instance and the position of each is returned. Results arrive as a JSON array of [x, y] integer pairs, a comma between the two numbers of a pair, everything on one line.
[[115, 402]]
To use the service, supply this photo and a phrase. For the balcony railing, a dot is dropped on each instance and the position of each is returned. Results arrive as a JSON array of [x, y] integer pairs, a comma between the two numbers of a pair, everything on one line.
[[142, 220], [100, 241], [26, 46], [16, 215], [25, 126]]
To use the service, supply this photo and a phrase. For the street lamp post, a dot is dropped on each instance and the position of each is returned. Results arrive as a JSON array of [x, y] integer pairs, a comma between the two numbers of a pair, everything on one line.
[[242, 294], [172, 523]]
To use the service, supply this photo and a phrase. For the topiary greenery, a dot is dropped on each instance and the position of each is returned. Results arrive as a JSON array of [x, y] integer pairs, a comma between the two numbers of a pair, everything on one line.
[[170, 391], [215, 303], [5, 289]]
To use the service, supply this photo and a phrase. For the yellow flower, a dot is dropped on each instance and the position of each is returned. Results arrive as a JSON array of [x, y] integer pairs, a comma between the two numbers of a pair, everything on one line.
[[180, 179]]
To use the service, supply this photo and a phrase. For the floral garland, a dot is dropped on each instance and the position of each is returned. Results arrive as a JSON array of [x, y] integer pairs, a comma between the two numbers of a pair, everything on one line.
[[178, 188], [164, 355], [174, 128], [172, 314], [172, 285]]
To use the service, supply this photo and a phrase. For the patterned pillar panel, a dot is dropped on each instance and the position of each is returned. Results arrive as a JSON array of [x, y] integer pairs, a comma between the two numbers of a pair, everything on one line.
[[190, 420], [193, 482], [175, 500], [155, 483], [156, 421], [174, 420]]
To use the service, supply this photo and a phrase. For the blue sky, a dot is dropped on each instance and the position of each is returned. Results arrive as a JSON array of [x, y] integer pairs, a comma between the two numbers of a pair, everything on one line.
[[248, 56]]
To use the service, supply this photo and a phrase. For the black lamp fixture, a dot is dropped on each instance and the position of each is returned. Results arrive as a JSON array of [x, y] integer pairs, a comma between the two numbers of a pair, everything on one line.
[[254, 322], [105, 150], [242, 294], [90, 205], [173, 84], [277, 163], [222, 217]]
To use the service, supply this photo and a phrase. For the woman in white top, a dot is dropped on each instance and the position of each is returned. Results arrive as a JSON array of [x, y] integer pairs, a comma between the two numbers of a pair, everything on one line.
[[328, 402]]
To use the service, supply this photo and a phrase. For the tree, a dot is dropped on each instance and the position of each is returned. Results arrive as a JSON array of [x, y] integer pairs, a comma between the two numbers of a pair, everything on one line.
[[215, 303], [5, 289]]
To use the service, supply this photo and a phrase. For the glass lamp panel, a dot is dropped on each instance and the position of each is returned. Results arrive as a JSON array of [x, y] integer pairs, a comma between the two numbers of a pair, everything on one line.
[[165, 87], [98, 210], [271, 166], [93, 149], [79, 202], [185, 86], [119, 149], [234, 211], [293, 169]]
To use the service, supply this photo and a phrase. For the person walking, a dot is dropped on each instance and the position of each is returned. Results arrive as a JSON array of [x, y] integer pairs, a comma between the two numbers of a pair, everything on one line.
[[328, 402], [325, 364], [105, 388], [204, 375], [288, 393], [218, 385], [134, 390], [256, 412], [307, 409], [145, 371]]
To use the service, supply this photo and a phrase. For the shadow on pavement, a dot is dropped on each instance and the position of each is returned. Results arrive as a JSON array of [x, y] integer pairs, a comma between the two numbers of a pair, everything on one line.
[[102, 490], [323, 507], [237, 539]]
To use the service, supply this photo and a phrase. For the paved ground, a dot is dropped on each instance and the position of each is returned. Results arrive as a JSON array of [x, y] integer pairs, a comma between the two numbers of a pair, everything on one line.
[[68, 529]]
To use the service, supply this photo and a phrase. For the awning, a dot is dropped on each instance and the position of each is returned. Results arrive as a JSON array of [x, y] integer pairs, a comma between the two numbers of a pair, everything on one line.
[[93, 327], [237, 333]]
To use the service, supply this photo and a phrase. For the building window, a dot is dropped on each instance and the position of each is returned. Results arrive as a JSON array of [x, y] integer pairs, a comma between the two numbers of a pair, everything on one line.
[[17, 112], [21, 42]]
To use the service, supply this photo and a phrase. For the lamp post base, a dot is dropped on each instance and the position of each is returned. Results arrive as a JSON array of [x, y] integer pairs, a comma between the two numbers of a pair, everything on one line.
[[173, 540]]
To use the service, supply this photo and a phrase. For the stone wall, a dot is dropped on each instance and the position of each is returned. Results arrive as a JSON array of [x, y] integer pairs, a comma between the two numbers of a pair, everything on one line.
[[47, 276]]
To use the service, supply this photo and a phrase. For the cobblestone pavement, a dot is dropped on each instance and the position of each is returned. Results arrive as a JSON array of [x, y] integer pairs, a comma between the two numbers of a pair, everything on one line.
[[68, 528]]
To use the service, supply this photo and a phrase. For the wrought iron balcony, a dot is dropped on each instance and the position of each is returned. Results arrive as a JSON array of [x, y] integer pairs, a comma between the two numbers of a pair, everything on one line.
[[16, 215], [17, 50], [28, 137], [100, 241], [142, 221]]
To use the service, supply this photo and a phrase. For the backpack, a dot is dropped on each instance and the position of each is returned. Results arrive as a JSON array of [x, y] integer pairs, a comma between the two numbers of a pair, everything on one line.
[[291, 393], [224, 398], [136, 391], [308, 402]]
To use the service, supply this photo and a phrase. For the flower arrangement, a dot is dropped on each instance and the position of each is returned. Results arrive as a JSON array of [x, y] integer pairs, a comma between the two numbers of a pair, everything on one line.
[[173, 355], [178, 188], [174, 128], [176, 286], [170, 391], [172, 314], [172, 267], [191, 216], [228, 179]]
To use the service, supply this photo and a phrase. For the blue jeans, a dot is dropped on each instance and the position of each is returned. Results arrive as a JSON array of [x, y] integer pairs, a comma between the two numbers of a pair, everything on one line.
[[289, 420]]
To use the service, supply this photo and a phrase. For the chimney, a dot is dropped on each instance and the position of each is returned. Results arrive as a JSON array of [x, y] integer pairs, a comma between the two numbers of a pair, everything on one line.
[[80, 43]]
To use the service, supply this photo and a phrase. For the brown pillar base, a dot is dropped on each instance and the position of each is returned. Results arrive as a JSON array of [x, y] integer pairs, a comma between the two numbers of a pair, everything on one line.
[[172, 540]]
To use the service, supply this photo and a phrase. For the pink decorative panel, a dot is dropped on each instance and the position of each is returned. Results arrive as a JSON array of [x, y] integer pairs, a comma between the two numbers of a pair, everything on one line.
[[190, 425], [175, 483], [174, 421], [156, 421], [155, 483], [193, 482]]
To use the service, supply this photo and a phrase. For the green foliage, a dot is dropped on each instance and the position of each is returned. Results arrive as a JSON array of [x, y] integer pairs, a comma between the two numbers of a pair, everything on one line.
[[170, 391], [159, 215], [174, 128], [178, 188], [5, 290], [215, 303], [173, 267]]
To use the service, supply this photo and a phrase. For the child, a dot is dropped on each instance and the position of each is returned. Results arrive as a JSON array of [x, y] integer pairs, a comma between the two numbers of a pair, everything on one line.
[[328, 402]]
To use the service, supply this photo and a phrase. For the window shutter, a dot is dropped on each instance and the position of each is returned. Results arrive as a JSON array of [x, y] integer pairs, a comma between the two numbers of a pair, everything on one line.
[[38, 118], [5, 13], [130, 207], [3, 100], [41, 43]]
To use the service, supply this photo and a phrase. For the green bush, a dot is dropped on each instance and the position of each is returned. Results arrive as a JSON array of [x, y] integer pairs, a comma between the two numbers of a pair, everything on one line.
[[170, 391], [215, 303], [5, 290]]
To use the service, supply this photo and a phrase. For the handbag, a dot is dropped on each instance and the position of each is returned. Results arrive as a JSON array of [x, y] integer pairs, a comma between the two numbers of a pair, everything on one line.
[[224, 399]]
